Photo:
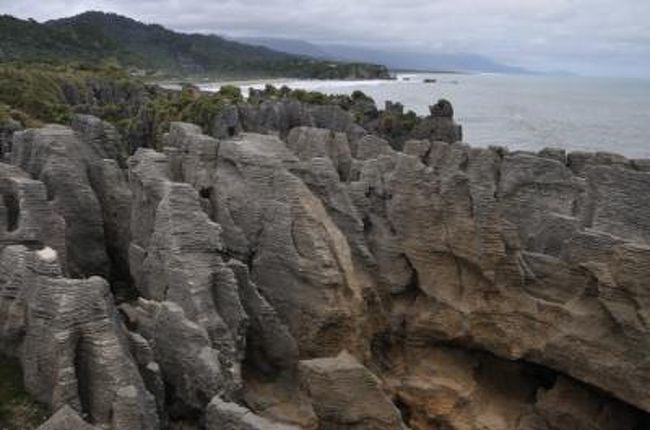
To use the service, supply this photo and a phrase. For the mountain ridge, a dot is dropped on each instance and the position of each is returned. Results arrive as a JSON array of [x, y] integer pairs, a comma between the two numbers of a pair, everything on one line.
[[393, 59], [107, 37]]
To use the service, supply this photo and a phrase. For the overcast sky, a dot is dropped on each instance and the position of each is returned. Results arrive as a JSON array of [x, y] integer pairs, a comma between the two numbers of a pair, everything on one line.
[[596, 37]]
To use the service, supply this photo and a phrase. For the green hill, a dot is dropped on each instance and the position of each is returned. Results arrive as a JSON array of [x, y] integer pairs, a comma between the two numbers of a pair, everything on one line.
[[97, 37]]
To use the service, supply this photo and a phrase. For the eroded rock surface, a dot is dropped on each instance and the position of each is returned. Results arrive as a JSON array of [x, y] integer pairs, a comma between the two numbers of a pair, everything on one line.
[[346, 395], [230, 416], [72, 349], [66, 418], [470, 288], [80, 168]]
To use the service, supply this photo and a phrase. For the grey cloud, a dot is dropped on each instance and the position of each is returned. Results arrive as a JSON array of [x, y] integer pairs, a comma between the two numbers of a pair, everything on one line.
[[584, 36]]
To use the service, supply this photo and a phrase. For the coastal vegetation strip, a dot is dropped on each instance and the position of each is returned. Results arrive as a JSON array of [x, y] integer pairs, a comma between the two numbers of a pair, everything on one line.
[[150, 50]]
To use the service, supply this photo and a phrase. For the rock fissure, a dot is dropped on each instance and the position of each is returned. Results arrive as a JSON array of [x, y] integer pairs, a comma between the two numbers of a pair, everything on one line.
[[324, 280]]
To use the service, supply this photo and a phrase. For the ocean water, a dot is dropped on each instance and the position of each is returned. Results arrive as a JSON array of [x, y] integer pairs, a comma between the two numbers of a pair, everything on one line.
[[521, 112]]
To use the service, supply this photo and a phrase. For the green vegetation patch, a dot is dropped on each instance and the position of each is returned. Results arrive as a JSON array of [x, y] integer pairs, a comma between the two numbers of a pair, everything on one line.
[[18, 411], [151, 50]]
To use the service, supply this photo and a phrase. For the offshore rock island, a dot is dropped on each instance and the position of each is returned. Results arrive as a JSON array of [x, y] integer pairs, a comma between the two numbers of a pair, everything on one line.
[[301, 261]]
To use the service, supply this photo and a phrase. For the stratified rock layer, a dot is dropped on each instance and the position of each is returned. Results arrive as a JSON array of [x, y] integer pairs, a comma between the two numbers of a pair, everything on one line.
[[347, 395], [72, 349], [471, 288], [65, 418]]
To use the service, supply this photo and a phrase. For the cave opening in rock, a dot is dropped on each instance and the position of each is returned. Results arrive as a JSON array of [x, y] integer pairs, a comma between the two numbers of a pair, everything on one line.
[[13, 211], [403, 408], [205, 192]]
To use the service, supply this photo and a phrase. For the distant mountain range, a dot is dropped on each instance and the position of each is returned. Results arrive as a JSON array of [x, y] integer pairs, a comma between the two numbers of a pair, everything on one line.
[[94, 37], [394, 59]]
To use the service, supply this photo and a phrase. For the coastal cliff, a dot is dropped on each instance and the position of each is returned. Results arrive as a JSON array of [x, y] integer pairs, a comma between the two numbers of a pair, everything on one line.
[[310, 266]]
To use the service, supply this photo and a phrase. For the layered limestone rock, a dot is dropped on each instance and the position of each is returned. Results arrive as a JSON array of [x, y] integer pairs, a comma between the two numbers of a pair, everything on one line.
[[225, 415], [8, 127], [355, 118], [66, 332], [51, 155], [26, 215], [346, 395], [72, 349], [80, 168], [512, 253], [272, 220], [473, 288], [280, 116], [193, 293], [449, 387], [182, 349], [66, 418], [510, 258]]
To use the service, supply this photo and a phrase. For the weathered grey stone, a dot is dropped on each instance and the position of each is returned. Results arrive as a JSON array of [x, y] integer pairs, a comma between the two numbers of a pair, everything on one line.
[[8, 127], [370, 146], [182, 348], [65, 418], [557, 154], [346, 395], [579, 161], [308, 143], [52, 155], [270, 345], [468, 226], [181, 262], [458, 389], [101, 139], [618, 202], [26, 216], [230, 416], [254, 253], [72, 349], [226, 123], [271, 219], [499, 251], [299, 256]]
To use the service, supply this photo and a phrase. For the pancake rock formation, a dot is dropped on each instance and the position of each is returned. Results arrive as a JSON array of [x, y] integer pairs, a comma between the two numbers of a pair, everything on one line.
[[312, 274]]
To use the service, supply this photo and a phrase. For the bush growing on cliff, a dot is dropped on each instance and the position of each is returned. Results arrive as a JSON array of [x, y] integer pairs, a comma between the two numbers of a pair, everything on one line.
[[50, 93], [37, 92], [232, 93]]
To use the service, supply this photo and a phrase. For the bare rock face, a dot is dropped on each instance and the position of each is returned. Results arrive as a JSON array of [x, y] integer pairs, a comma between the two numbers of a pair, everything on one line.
[[26, 215], [299, 258], [101, 139], [66, 418], [8, 127], [226, 123], [51, 155], [512, 253], [473, 288], [188, 363], [346, 395], [72, 349], [439, 125], [82, 172], [176, 259], [308, 143], [230, 416], [280, 116], [489, 237], [447, 387]]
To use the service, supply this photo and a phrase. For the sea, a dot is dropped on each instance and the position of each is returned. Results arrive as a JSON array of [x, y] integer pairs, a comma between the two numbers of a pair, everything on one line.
[[520, 112]]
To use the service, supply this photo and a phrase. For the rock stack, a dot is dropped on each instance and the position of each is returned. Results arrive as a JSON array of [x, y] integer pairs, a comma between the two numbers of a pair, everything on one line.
[[318, 278]]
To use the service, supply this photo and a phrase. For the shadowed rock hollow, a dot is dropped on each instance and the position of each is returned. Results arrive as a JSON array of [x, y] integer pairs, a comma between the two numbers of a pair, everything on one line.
[[324, 281]]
